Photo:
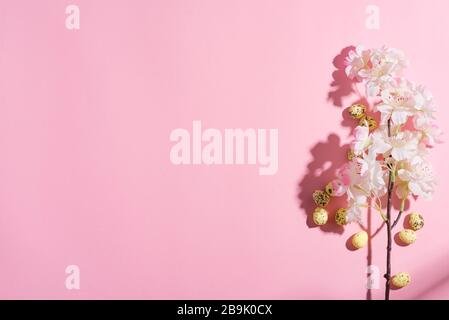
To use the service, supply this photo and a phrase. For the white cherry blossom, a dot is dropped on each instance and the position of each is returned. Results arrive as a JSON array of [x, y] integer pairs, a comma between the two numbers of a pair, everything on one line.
[[362, 139], [358, 63], [377, 68], [372, 171], [420, 179], [397, 149], [404, 145], [397, 104]]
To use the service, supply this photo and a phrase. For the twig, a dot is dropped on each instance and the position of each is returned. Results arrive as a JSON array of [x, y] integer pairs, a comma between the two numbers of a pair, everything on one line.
[[397, 219], [401, 210], [391, 179]]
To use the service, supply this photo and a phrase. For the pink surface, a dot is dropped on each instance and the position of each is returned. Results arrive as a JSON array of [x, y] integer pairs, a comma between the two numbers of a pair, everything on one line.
[[85, 173]]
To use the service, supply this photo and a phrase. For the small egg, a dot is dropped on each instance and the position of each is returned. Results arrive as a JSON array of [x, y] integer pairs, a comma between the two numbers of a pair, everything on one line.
[[360, 239], [320, 216], [357, 111], [321, 198], [416, 221], [351, 154], [329, 188], [407, 236], [401, 280], [340, 217], [368, 121], [335, 188]]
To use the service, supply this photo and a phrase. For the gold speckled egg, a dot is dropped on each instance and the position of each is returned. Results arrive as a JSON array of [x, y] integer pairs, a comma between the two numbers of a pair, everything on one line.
[[340, 217], [407, 236], [350, 154], [335, 188], [357, 111], [368, 121], [321, 198], [320, 216], [360, 239], [401, 280], [329, 188], [416, 221]]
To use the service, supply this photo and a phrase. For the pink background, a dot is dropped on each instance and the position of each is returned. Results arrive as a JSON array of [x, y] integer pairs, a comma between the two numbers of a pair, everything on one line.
[[85, 175]]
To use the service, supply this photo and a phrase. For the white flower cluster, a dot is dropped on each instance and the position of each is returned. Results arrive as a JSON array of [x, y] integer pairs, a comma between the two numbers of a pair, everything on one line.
[[398, 147]]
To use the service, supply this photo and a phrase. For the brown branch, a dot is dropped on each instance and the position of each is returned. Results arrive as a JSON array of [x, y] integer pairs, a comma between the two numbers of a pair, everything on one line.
[[401, 210], [397, 219], [387, 275], [388, 222]]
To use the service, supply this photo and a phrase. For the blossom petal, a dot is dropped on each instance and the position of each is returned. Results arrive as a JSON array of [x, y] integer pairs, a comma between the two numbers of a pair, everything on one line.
[[361, 133], [399, 117], [404, 175]]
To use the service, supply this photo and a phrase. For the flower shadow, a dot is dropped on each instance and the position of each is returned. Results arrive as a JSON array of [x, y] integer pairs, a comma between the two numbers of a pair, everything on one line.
[[341, 85], [342, 88], [320, 171]]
